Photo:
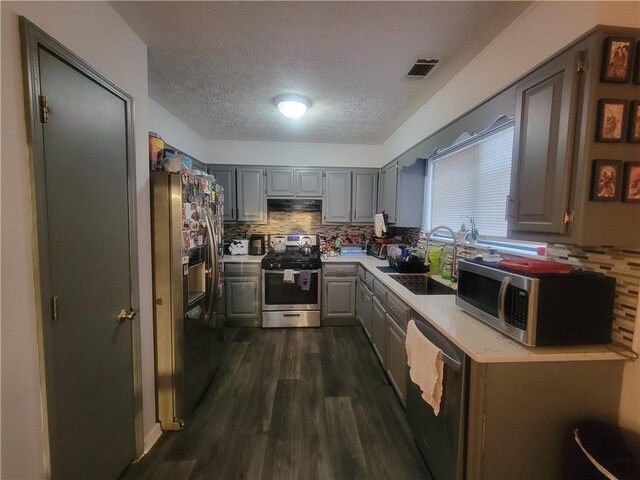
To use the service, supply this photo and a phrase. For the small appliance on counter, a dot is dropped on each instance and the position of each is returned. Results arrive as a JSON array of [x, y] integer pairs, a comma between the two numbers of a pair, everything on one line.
[[257, 245], [537, 304], [239, 247]]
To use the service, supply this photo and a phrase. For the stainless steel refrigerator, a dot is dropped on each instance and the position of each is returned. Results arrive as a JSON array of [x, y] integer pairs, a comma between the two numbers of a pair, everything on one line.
[[187, 287]]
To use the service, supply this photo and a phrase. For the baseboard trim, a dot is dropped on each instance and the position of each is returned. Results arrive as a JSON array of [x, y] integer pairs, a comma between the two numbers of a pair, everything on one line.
[[152, 437]]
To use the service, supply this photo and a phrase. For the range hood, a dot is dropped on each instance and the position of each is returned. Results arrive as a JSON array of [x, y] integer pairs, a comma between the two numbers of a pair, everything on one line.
[[294, 205]]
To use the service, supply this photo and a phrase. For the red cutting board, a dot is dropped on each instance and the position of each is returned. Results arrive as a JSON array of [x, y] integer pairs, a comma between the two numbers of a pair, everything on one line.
[[530, 265]]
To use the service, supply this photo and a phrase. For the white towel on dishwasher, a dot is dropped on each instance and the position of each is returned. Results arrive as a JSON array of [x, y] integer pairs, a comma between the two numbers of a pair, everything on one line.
[[288, 276], [426, 367]]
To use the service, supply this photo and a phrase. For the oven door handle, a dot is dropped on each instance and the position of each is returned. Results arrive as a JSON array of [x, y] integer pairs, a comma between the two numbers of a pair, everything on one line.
[[502, 295], [295, 272]]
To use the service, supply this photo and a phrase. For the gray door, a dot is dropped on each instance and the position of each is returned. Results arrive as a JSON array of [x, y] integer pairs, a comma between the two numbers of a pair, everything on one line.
[[252, 197], [280, 182], [337, 197], [85, 268], [308, 182], [365, 193]]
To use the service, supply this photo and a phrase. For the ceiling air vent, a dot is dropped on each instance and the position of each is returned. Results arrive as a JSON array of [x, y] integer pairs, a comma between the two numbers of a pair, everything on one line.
[[421, 68]]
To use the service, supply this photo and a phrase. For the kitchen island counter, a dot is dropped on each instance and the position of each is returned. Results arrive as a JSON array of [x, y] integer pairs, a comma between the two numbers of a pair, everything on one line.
[[481, 342]]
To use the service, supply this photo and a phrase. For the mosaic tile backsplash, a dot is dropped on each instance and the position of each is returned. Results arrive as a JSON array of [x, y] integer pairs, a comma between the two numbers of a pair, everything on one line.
[[622, 264]]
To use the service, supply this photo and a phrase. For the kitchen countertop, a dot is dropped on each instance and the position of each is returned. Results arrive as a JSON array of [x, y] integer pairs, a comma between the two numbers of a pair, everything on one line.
[[481, 342], [242, 258]]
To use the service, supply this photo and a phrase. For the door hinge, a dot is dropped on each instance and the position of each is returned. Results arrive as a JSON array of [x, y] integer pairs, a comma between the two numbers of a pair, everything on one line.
[[568, 218], [581, 66], [44, 108], [54, 308]]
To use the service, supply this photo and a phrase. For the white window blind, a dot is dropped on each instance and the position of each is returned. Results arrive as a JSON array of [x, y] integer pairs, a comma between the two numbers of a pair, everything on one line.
[[472, 181]]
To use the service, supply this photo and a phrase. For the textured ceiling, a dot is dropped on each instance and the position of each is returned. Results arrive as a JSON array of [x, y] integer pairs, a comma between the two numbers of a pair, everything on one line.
[[218, 65]]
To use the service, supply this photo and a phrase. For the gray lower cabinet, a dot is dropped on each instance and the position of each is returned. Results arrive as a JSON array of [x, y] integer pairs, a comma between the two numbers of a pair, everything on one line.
[[365, 308], [396, 357], [336, 204], [242, 294], [252, 198], [378, 331], [226, 177], [339, 294], [364, 196]]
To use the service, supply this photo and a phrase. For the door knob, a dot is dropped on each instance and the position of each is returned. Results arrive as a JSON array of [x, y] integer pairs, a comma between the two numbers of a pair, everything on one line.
[[126, 315]]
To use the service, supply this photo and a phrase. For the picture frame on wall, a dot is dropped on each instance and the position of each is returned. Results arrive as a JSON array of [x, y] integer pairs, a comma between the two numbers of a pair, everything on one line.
[[631, 188], [611, 120], [634, 122], [606, 180], [616, 59]]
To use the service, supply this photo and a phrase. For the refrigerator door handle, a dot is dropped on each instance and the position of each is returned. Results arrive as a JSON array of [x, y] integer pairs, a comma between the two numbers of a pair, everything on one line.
[[213, 258]]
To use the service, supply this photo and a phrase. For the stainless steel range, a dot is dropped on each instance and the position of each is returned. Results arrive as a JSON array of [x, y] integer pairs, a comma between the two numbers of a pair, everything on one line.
[[291, 282]]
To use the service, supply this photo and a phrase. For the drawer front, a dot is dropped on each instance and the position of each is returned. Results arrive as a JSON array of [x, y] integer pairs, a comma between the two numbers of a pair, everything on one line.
[[342, 270], [241, 269], [380, 291], [398, 310]]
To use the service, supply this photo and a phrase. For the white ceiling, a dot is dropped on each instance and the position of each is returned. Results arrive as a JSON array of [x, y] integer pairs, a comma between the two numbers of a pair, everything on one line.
[[217, 65]]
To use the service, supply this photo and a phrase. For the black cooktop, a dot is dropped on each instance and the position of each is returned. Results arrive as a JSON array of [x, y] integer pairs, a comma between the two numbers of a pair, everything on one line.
[[291, 260]]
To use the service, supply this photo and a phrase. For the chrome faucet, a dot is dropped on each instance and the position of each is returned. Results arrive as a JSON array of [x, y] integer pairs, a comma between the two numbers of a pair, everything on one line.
[[454, 264]]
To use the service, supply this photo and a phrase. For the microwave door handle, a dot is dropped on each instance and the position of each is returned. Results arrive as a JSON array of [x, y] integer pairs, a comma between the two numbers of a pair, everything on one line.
[[502, 294]]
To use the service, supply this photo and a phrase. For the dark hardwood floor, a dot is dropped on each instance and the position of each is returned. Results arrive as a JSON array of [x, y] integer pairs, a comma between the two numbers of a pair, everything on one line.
[[291, 403]]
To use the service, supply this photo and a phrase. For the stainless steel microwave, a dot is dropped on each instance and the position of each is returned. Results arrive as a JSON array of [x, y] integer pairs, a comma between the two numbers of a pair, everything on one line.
[[539, 310]]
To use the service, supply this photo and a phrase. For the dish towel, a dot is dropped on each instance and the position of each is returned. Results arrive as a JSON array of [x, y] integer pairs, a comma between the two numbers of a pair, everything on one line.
[[304, 279], [378, 224], [288, 276], [426, 367]]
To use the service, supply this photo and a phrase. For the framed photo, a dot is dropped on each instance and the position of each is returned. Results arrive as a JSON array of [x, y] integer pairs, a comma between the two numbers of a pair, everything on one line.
[[636, 75], [631, 182], [616, 59], [634, 122], [606, 180], [611, 120]]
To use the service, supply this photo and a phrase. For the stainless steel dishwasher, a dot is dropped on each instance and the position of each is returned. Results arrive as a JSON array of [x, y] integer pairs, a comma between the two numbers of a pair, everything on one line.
[[441, 439]]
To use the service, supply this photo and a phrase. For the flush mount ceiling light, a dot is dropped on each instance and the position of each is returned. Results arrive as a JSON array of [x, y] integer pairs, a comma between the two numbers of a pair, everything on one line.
[[292, 106]]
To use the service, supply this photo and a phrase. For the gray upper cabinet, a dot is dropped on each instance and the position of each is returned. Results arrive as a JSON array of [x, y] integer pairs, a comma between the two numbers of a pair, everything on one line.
[[546, 104], [336, 206], [388, 189], [252, 199], [280, 182], [226, 177], [555, 147], [401, 191], [364, 195], [308, 182]]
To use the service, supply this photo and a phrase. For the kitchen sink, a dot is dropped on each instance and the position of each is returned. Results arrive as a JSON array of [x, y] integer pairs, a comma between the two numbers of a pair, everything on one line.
[[422, 285]]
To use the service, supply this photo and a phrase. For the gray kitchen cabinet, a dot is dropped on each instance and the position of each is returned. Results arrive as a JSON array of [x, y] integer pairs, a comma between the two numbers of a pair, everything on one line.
[[308, 182], [243, 294], [336, 204], [555, 147], [280, 182], [401, 191], [226, 177], [546, 103], [388, 190], [364, 195], [365, 307], [252, 198], [339, 294], [396, 357], [379, 331]]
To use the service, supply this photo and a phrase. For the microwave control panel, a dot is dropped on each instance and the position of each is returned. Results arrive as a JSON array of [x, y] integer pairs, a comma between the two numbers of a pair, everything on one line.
[[519, 308]]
